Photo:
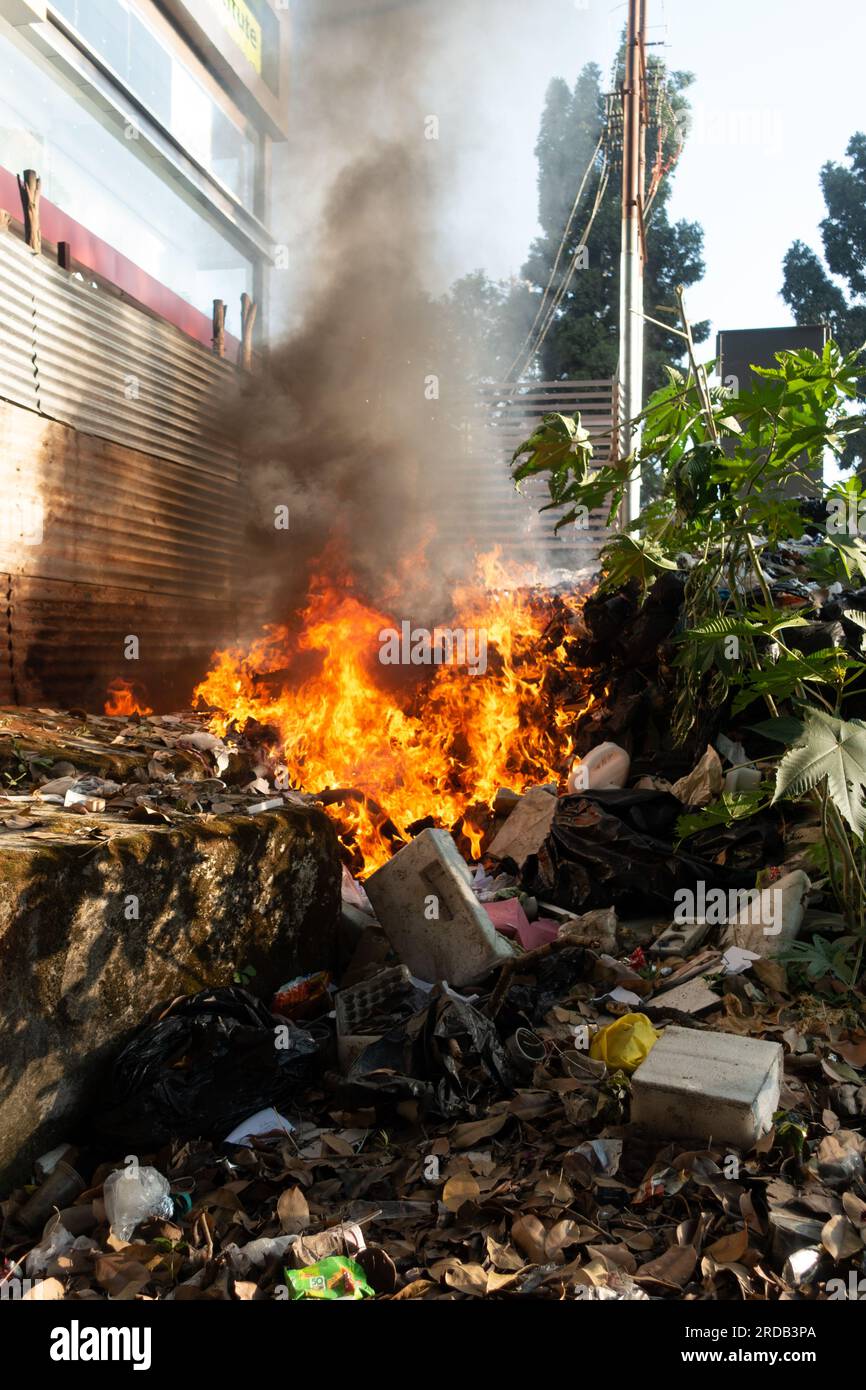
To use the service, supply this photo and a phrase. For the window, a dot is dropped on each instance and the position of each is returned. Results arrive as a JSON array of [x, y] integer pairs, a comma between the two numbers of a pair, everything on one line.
[[150, 69], [100, 179], [168, 88]]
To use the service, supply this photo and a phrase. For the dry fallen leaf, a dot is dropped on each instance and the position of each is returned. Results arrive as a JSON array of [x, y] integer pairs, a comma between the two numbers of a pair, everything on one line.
[[730, 1248], [465, 1136], [564, 1235], [419, 1288], [459, 1190], [503, 1256], [466, 1278], [45, 1290], [674, 1267], [293, 1211], [530, 1237], [840, 1238]]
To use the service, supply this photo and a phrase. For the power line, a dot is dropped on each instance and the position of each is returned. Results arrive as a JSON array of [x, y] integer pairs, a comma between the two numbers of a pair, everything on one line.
[[604, 175], [562, 243]]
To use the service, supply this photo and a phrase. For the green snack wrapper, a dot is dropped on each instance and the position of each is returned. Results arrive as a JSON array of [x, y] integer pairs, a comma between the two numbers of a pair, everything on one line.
[[334, 1278]]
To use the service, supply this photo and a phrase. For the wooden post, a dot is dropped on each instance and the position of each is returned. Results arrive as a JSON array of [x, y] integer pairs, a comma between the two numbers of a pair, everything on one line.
[[30, 188], [249, 309], [4, 220], [219, 327], [64, 255]]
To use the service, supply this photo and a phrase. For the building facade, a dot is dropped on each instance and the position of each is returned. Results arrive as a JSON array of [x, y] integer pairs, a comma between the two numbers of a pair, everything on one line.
[[151, 123], [150, 126]]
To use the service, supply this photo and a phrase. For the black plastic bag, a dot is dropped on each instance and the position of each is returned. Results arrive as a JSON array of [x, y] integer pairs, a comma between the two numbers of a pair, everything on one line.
[[447, 1056], [615, 849], [210, 1061]]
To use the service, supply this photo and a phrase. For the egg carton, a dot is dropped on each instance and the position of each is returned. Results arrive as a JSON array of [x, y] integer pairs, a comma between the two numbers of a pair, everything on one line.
[[366, 1011]]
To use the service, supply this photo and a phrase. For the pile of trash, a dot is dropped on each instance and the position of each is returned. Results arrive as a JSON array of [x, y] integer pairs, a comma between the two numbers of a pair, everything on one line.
[[158, 768], [577, 1068], [628, 647], [581, 1062]]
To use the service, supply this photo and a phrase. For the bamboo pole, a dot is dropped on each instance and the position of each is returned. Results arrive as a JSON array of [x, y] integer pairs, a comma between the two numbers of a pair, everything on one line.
[[30, 188], [249, 309], [219, 327]]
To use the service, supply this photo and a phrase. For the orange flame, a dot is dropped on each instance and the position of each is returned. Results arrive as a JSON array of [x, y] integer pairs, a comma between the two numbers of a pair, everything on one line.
[[122, 699], [437, 748]]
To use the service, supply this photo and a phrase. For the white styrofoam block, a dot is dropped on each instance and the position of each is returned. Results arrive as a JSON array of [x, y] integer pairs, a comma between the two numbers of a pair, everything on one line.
[[713, 1086], [424, 902]]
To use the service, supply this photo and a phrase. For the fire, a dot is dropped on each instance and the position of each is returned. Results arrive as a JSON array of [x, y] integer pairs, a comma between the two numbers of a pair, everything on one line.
[[440, 747], [122, 699]]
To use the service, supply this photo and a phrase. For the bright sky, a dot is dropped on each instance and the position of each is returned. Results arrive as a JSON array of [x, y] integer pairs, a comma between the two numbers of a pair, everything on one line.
[[779, 90]]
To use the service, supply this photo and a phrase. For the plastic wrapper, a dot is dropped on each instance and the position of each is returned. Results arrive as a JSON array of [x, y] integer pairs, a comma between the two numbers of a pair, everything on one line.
[[625, 1043], [206, 1064], [133, 1195], [333, 1278], [307, 996]]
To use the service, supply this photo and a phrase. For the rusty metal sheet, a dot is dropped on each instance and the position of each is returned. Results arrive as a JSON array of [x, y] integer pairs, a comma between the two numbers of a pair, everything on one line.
[[66, 642], [113, 515], [120, 496]]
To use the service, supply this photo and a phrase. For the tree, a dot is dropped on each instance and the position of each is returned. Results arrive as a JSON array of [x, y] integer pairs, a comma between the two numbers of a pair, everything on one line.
[[486, 320], [809, 291], [582, 340]]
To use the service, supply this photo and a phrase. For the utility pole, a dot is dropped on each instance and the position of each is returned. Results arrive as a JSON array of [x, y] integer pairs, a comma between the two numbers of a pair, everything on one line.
[[633, 253]]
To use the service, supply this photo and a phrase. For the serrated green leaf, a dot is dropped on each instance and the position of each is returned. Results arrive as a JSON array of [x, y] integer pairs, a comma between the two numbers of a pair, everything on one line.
[[833, 751]]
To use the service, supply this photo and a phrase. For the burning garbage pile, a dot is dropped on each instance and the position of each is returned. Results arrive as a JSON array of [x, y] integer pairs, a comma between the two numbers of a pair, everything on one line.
[[396, 727], [561, 1051]]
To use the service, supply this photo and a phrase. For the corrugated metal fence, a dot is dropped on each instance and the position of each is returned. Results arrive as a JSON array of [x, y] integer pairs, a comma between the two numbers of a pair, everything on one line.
[[501, 418], [121, 498]]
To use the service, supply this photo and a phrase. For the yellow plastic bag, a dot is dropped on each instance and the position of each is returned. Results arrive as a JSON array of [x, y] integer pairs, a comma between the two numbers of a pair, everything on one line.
[[625, 1043]]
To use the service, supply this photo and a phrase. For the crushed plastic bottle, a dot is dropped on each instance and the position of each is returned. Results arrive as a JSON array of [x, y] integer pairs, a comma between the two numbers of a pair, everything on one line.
[[603, 768], [134, 1194]]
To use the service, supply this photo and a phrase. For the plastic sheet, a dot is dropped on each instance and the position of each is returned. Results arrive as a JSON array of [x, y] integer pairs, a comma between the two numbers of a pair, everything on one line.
[[418, 1060]]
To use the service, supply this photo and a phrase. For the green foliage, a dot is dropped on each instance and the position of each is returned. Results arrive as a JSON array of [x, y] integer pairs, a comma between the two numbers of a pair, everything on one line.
[[783, 678], [560, 446], [632, 557], [483, 322], [791, 1131], [820, 957], [731, 807], [810, 292], [833, 751], [721, 505], [583, 340], [489, 319]]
